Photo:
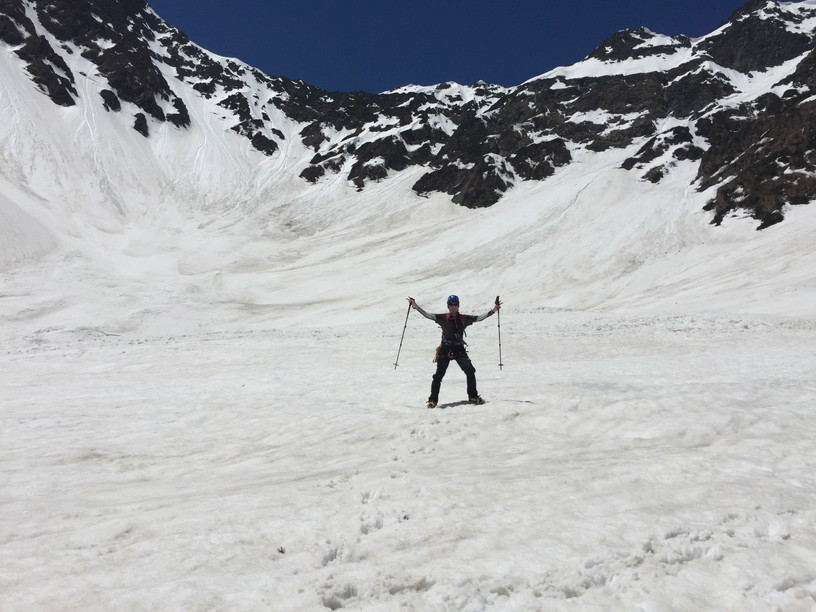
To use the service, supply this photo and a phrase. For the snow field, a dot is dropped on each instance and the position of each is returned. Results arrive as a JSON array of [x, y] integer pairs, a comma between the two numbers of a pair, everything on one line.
[[659, 463]]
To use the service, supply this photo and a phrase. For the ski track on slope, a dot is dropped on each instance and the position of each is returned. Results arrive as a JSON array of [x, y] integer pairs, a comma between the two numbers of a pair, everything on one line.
[[620, 462]]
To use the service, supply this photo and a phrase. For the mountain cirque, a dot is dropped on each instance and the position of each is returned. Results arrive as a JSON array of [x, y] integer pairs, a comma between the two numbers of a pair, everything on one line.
[[737, 101]]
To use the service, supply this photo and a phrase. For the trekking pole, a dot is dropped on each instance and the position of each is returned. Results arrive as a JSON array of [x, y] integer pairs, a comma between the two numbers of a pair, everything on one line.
[[498, 312], [396, 363]]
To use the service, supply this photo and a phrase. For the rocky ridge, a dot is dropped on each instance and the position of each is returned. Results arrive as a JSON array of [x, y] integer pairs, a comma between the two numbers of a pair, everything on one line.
[[738, 102]]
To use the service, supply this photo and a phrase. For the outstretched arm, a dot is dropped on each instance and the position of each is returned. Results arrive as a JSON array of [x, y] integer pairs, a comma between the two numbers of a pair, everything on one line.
[[490, 312], [416, 306]]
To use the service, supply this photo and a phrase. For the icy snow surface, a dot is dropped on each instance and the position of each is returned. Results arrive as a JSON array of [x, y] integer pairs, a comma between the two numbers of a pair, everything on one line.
[[200, 409]]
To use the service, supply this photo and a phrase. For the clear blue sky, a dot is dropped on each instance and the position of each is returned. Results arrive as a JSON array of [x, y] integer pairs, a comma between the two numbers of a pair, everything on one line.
[[374, 45]]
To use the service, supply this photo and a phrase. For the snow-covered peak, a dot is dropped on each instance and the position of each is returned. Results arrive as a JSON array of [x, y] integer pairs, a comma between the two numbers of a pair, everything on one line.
[[150, 83]]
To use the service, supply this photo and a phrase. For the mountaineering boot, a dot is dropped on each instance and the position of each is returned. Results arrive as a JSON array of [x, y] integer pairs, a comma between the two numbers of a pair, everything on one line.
[[476, 400], [431, 404]]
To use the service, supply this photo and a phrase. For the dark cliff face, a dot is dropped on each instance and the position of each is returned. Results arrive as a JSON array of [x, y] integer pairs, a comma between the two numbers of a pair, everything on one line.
[[755, 153], [635, 44], [476, 142]]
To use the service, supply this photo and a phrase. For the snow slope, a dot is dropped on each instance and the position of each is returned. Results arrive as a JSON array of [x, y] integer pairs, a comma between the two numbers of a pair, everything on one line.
[[206, 415], [621, 462]]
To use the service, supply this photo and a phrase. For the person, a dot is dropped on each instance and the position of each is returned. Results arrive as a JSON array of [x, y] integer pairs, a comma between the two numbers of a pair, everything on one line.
[[453, 344]]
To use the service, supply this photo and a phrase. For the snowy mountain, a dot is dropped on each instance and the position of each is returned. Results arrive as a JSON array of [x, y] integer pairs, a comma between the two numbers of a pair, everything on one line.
[[738, 101], [203, 272], [129, 148]]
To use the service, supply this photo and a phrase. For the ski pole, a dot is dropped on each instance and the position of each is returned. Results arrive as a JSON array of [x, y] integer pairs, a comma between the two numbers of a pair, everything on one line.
[[396, 363], [498, 312]]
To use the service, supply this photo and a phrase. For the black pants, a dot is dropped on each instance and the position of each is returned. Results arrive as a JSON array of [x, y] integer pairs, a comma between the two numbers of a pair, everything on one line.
[[446, 354]]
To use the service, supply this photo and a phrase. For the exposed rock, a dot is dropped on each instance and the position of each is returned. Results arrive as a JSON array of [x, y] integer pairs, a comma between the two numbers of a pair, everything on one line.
[[110, 101], [658, 146], [312, 173], [134, 78], [771, 42], [535, 162], [48, 70], [181, 118], [140, 125], [655, 175], [374, 159], [636, 44], [484, 186], [695, 91], [15, 26], [760, 162], [263, 143]]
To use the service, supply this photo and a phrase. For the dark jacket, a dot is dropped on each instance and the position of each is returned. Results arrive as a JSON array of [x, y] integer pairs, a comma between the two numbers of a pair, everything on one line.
[[453, 326]]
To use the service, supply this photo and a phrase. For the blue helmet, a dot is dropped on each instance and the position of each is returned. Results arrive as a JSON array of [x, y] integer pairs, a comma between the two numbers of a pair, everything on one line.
[[453, 299]]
